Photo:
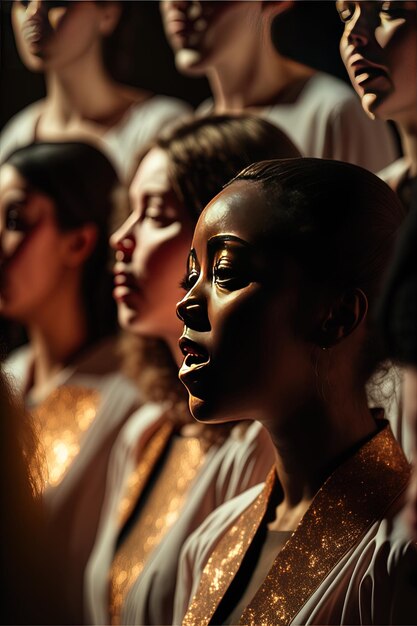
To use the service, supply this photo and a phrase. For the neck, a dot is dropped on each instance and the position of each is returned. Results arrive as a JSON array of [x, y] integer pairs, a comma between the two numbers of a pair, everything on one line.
[[408, 133], [260, 78], [303, 464], [81, 91], [56, 336]]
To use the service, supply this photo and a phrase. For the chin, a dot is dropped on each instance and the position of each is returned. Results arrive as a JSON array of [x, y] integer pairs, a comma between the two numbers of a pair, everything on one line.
[[207, 412], [188, 61]]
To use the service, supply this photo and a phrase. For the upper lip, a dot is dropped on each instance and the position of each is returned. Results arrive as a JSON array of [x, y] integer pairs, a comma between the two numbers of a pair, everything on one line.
[[129, 279], [360, 65], [179, 22], [195, 354]]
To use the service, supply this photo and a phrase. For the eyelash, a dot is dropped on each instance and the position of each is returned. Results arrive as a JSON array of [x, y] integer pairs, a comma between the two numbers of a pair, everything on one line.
[[14, 221], [189, 281], [387, 9]]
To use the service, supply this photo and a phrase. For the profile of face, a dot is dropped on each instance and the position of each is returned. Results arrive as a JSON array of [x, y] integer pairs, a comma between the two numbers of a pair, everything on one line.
[[379, 50], [240, 333], [34, 254], [52, 34], [201, 33], [151, 252]]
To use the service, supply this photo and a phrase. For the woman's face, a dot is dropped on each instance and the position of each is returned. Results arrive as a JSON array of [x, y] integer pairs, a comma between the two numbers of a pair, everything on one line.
[[53, 34], [202, 33], [379, 49], [34, 254], [239, 338], [151, 252]]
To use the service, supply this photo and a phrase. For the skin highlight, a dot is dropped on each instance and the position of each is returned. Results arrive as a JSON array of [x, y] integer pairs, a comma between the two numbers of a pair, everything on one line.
[[379, 49], [232, 301], [230, 43]]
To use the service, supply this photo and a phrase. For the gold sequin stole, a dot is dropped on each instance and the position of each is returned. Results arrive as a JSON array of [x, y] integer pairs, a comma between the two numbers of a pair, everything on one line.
[[353, 497], [158, 514], [61, 422]]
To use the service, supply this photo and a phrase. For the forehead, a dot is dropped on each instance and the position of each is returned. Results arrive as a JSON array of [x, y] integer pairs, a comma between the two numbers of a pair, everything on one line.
[[152, 175], [10, 179], [240, 210]]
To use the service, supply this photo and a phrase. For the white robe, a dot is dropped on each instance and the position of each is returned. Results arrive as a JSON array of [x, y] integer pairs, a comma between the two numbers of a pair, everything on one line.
[[141, 123], [240, 462], [74, 504], [371, 581], [327, 121]]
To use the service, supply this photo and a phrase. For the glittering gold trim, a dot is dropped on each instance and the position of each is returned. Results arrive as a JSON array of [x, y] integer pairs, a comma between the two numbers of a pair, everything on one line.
[[226, 559], [351, 499], [157, 515], [61, 421], [138, 480]]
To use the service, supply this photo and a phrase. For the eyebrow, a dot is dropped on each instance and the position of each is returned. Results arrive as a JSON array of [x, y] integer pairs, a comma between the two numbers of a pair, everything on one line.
[[216, 240]]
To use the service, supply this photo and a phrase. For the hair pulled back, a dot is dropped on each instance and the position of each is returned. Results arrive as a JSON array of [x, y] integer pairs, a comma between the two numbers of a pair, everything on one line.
[[81, 182]]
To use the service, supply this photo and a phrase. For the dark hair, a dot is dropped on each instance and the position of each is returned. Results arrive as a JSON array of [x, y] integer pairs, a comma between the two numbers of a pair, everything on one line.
[[337, 221], [203, 154], [81, 182]]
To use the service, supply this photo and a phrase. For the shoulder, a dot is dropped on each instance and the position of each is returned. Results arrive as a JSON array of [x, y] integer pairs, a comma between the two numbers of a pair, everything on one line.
[[395, 173], [200, 544], [17, 365], [159, 108], [391, 585], [328, 90], [248, 456], [20, 129], [139, 427]]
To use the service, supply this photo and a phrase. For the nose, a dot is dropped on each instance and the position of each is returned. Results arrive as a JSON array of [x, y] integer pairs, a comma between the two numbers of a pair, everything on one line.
[[37, 7], [123, 242], [359, 28], [192, 310]]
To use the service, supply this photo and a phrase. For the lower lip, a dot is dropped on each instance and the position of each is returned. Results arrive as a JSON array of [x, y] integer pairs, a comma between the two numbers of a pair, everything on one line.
[[366, 78], [124, 294], [193, 377]]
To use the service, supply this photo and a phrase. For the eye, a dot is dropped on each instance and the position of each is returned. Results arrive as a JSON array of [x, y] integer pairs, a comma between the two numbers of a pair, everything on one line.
[[159, 214], [226, 277], [346, 11], [24, 3], [15, 219], [391, 10], [189, 280]]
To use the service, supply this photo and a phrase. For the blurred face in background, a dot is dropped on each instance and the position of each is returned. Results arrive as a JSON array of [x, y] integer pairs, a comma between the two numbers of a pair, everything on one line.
[[34, 254], [54, 34], [201, 34], [151, 252], [379, 49]]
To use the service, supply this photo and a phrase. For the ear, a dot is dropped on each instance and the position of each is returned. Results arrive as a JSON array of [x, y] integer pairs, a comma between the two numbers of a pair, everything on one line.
[[346, 314], [110, 16], [80, 245], [274, 8]]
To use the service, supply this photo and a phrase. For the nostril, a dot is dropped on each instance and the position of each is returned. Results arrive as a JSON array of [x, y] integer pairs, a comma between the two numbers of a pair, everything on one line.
[[178, 311], [124, 247]]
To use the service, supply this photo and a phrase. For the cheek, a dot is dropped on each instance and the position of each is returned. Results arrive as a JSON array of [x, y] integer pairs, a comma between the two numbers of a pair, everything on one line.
[[161, 255], [386, 33], [403, 65], [35, 270]]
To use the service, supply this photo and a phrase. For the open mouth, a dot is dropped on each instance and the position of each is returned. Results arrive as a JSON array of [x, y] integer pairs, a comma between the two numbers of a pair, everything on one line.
[[365, 70], [195, 355]]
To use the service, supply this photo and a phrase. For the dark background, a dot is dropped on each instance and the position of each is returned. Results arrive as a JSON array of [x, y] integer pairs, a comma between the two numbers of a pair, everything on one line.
[[309, 33]]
